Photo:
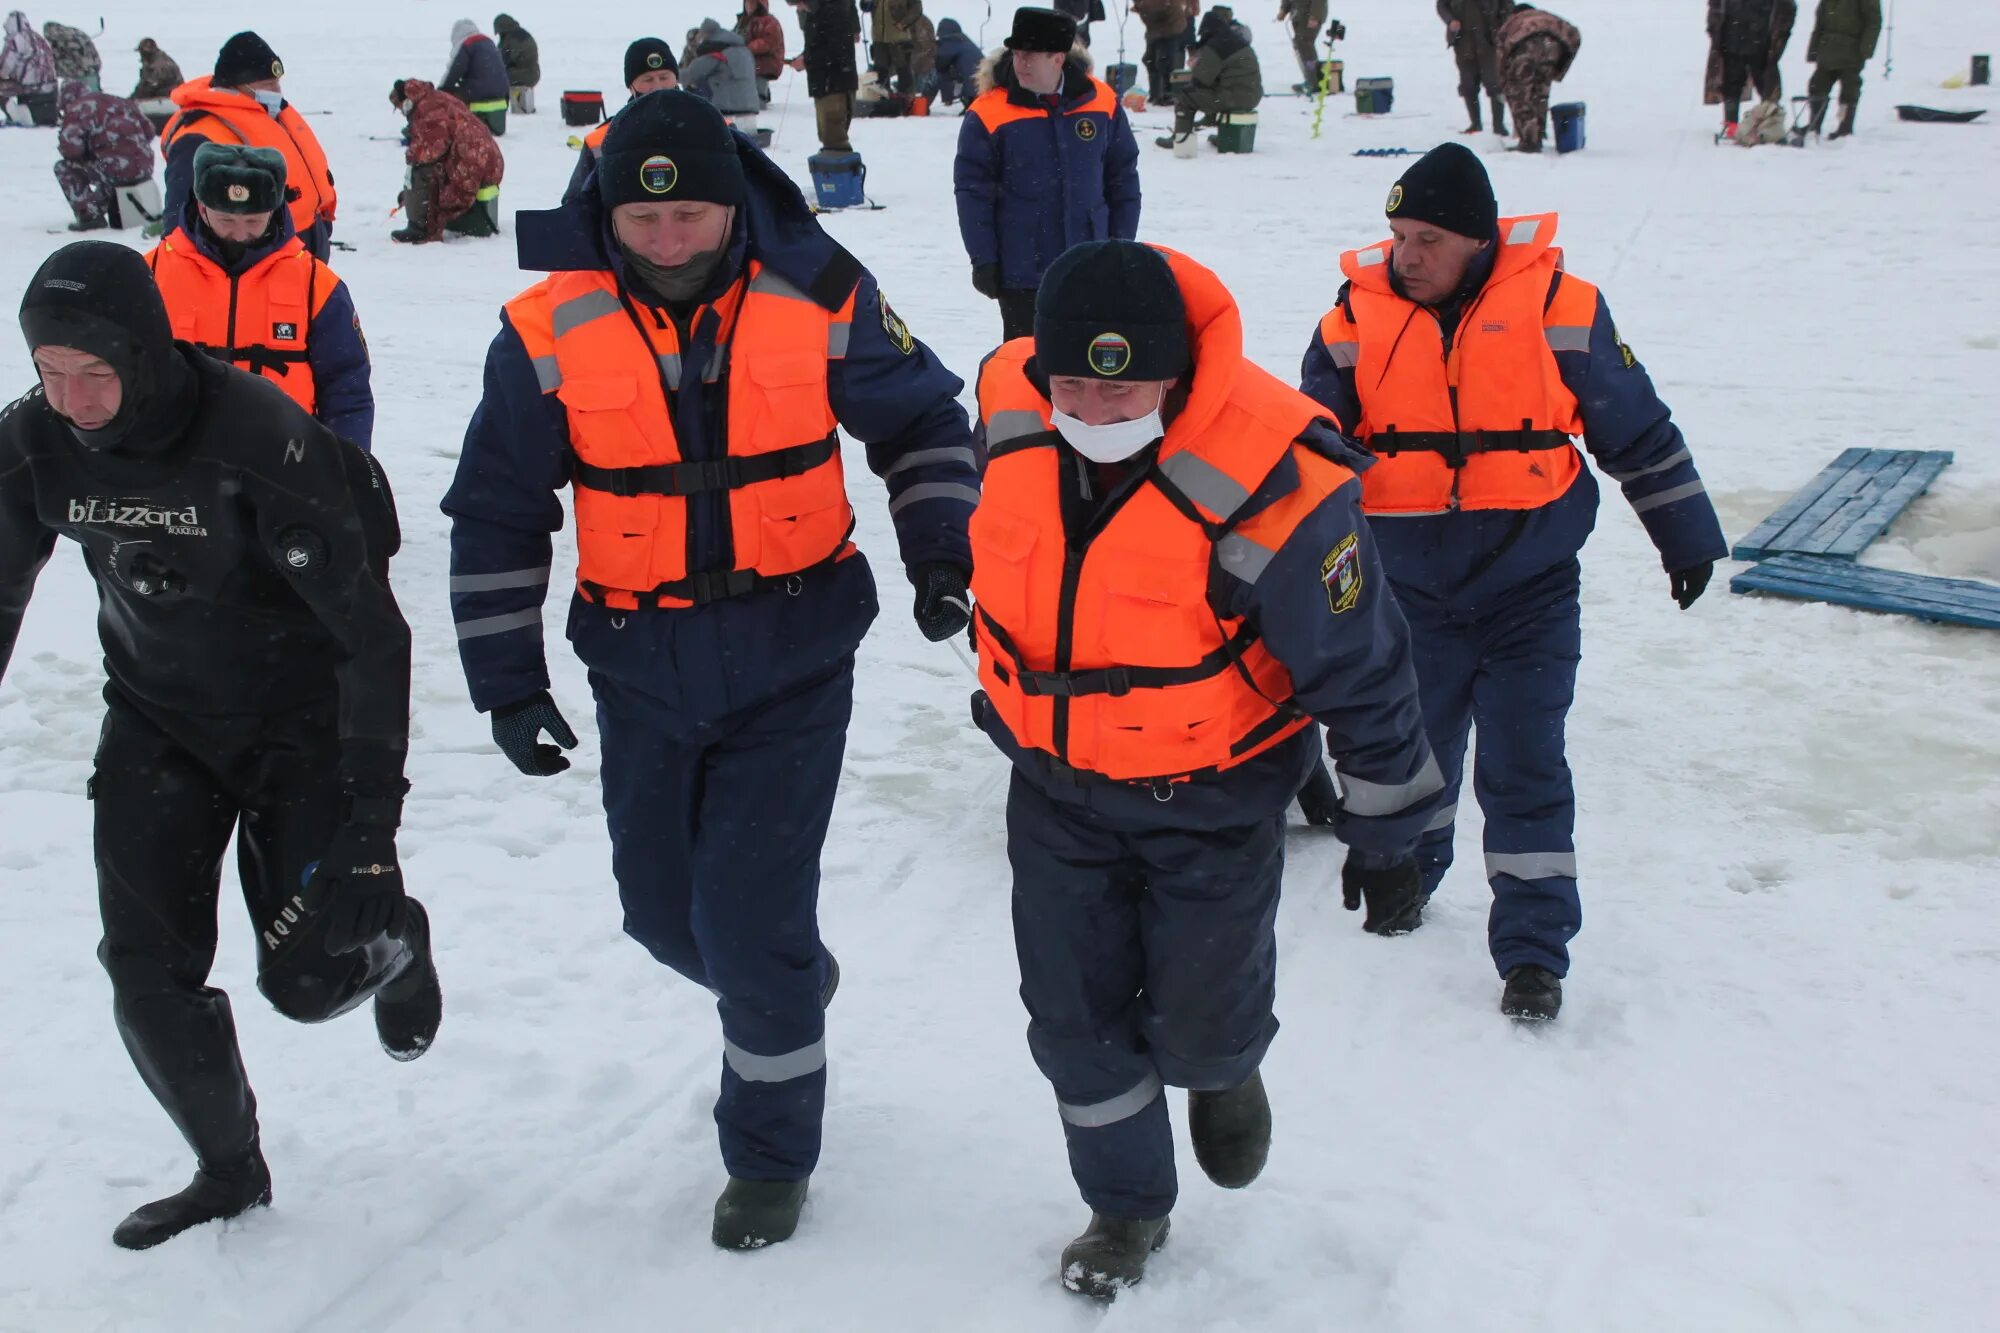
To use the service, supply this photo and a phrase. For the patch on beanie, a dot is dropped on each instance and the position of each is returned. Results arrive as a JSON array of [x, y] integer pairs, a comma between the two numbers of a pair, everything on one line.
[[1110, 353], [658, 174], [654, 60], [1395, 198], [277, 68]]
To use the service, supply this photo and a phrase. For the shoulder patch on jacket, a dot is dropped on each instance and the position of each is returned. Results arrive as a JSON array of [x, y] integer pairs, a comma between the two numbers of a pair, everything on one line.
[[893, 325], [1624, 351], [1341, 573]]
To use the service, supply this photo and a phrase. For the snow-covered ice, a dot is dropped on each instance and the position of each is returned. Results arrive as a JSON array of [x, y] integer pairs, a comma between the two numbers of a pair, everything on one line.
[[1772, 1101]]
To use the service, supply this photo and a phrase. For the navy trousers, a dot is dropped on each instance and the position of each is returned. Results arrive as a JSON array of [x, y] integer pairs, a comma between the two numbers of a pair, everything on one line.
[[716, 830], [1148, 958], [1508, 670]]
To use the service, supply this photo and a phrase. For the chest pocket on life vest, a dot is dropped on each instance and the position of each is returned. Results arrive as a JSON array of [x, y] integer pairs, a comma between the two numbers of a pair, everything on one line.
[[795, 520], [619, 550]]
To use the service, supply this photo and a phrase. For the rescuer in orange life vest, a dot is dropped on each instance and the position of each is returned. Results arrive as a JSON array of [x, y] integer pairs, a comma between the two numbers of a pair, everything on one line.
[[1173, 582], [1462, 354], [239, 285], [241, 102], [685, 370]]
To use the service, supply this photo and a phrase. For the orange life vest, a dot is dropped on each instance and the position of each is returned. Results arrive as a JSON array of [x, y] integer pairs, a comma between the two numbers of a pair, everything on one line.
[[225, 115], [260, 321], [593, 142], [1109, 657], [1487, 422], [994, 109], [788, 507]]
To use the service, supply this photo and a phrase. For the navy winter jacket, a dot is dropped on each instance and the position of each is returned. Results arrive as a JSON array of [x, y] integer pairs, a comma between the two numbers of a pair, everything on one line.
[[478, 72], [889, 391], [1036, 175]]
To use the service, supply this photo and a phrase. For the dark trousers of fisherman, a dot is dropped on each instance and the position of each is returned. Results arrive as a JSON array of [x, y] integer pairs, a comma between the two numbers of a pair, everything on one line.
[[1148, 958], [716, 830], [169, 790], [1164, 55], [1507, 670], [1739, 71], [1017, 313]]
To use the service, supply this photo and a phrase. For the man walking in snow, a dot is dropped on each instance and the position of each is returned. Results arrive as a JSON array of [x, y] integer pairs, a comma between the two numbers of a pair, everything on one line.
[[1173, 581], [1046, 160], [1462, 354], [259, 688], [685, 371], [239, 284]]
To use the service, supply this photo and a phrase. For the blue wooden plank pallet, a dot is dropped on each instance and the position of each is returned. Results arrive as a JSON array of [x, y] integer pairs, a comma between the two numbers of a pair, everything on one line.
[[1847, 506], [1844, 583]]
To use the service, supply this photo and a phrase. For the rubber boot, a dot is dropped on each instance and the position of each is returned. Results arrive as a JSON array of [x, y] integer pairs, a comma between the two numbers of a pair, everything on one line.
[[1111, 1255], [183, 1043], [751, 1214], [1499, 116], [416, 208], [1472, 110], [409, 1009], [217, 1192], [1732, 108], [1231, 1132], [1533, 994], [1846, 121]]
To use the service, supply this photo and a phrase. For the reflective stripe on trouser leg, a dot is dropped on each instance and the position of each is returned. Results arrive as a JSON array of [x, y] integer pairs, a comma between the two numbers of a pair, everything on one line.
[[767, 795], [1077, 892], [1446, 658], [1521, 699]]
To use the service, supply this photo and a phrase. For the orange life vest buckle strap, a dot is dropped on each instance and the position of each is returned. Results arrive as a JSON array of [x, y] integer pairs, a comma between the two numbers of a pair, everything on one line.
[[718, 474], [1457, 447]]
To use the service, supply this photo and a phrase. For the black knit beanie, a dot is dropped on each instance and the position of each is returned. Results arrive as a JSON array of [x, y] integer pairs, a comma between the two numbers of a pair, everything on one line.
[[1447, 187], [100, 298], [1111, 310], [647, 55], [246, 58], [669, 147], [232, 178]]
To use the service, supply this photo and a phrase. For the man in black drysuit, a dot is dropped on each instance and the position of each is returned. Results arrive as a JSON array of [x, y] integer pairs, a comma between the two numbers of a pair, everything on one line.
[[259, 683]]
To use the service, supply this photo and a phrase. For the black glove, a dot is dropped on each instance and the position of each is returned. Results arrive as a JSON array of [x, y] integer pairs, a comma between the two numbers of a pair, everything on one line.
[[1689, 584], [1319, 800], [942, 600], [518, 726], [986, 280], [357, 881], [1395, 895]]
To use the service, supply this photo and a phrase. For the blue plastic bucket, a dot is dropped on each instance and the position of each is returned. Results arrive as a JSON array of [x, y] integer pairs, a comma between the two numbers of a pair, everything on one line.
[[1568, 120], [838, 179]]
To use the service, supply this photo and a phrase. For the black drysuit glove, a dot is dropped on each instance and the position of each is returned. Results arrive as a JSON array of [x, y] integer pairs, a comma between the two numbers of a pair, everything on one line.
[[1689, 584], [357, 878], [986, 280], [1394, 893], [942, 600], [518, 727]]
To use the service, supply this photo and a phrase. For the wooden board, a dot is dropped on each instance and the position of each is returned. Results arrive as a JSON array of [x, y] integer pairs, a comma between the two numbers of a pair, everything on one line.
[[1848, 505], [1843, 583]]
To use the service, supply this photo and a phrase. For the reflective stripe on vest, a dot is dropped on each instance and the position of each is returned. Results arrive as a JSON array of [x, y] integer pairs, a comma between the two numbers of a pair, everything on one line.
[[788, 508], [1486, 423], [994, 109], [225, 115], [1109, 659], [261, 322]]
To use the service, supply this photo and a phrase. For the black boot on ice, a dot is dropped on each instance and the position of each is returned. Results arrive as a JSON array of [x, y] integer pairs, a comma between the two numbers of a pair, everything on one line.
[[214, 1194], [409, 1009], [1231, 1132], [1533, 994], [1111, 1255], [754, 1213]]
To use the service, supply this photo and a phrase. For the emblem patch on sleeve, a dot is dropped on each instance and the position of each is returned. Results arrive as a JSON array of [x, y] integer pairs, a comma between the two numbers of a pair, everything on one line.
[[1341, 573], [1624, 352], [899, 332], [302, 552]]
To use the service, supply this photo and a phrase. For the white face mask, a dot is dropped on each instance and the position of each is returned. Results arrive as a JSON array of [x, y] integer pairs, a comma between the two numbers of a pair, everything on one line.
[[1113, 443], [270, 101]]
